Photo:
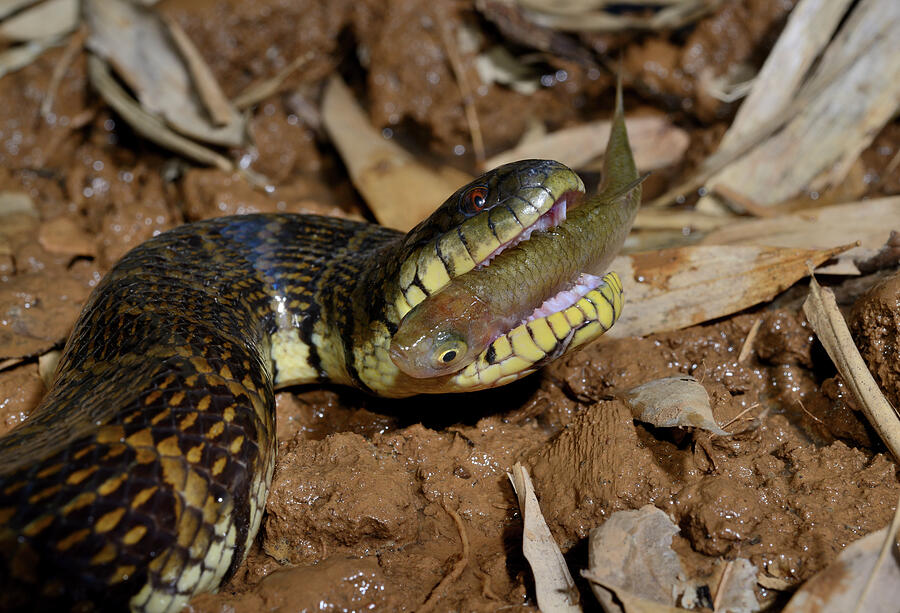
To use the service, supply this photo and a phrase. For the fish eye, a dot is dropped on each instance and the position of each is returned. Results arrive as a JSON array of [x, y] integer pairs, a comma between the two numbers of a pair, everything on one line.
[[448, 351]]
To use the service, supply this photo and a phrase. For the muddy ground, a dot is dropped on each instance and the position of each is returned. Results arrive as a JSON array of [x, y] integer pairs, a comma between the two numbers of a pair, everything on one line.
[[375, 502]]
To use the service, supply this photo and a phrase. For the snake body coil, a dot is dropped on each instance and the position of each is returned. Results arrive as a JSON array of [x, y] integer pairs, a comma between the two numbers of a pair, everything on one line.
[[141, 478]]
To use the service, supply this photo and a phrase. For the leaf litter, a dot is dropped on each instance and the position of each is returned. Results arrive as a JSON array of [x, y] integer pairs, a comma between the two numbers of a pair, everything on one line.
[[762, 493]]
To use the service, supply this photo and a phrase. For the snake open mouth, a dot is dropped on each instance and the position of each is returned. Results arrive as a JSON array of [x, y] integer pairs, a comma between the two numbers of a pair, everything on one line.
[[553, 217], [567, 320], [527, 301]]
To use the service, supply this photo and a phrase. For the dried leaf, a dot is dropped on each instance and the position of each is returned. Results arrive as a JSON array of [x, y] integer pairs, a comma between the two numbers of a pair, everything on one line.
[[580, 16], [8, 7], [675, 288], [816, 148], [553, 583], [868, 221], [838, 588], [631, 556], [20, 56], [135, 41], [826, 320], [399, 190], [673, 402], [48, 19], [498, 65], [47, 366], [147, 125], [655, 143]]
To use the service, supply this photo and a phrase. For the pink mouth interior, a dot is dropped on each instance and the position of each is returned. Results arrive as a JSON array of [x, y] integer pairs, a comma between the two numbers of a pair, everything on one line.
[[552, 218], [580, 287]]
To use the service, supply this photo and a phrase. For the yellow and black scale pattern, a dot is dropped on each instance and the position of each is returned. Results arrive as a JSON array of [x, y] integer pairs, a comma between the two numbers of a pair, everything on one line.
[[141, 478]]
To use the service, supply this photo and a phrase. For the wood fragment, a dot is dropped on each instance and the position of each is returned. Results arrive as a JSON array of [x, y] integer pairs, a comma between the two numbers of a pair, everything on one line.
[[822, 312], [675, 288]]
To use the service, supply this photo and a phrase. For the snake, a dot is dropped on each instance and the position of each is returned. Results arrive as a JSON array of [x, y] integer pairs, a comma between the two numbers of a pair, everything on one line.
[[141, 478]]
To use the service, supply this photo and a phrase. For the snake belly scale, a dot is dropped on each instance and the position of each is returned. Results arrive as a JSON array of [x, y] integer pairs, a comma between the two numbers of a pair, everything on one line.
[[141, 478]]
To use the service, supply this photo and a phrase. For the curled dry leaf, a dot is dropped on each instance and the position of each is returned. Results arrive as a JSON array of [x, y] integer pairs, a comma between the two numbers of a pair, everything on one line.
[[146, 124], [838, 588], [655, 143], [675, 288], [135, 41], [20, 56], [673, 402], [400, 191], [826, 320], [555, 589]]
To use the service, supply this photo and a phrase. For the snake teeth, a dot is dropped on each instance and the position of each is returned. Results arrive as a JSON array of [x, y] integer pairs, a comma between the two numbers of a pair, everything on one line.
[[552, 218], [567, 297]]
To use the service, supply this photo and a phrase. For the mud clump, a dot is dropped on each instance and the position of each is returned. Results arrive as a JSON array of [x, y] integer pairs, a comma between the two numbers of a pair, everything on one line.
[[875, 324]]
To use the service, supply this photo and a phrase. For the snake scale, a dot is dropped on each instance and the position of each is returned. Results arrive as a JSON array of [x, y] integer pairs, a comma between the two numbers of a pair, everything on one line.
[[141, 478]]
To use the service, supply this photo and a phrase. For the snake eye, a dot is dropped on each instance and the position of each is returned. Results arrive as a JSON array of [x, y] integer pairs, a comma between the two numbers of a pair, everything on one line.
[[474, 200]]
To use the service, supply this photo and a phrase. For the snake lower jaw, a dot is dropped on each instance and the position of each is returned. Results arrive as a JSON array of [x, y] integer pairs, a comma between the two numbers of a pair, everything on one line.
[[569, 320]]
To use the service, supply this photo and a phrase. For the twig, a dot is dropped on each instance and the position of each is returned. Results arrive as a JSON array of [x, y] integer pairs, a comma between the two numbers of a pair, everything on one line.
[[458, 567], [748, 341], [811, 416], [258, 92], [76, 43], [726, 575], [462, 81], [739, 415]]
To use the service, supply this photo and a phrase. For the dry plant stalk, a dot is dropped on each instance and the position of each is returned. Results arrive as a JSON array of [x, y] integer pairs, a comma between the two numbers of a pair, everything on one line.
[[826, 320]]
